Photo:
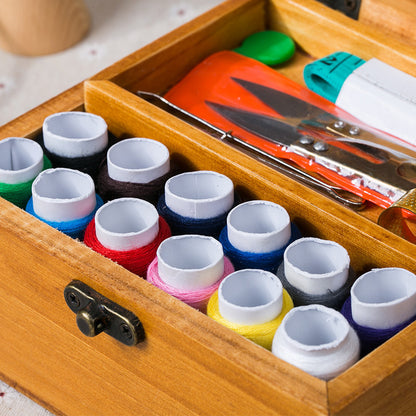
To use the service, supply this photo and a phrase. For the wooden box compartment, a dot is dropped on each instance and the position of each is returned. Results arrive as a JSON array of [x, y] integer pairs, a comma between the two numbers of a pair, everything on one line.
[[189, 364]]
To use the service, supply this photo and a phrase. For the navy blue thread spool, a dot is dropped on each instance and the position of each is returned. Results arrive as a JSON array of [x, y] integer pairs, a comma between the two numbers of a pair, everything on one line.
[[197, 202], [134, 168], [75, 140], [316, 271], [64, 199], [382, 303], [256, 235]]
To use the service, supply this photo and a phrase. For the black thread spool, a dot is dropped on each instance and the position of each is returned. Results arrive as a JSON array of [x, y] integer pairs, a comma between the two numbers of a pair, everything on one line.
[[75, 140], [134, 168]]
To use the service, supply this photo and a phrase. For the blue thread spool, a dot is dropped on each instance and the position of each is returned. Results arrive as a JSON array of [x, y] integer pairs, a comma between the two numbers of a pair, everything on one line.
[[65, 199], [257, 234], [197, 202]]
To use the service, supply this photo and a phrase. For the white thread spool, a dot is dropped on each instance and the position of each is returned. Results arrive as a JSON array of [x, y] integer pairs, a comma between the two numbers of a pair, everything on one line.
[[126, 224], [200, 194], [250, 297], [258, 227], [62, 194], [384, 298], [318, 340], [315, 266], [74, 134], [21, 160], [190, 262], [137, 160]]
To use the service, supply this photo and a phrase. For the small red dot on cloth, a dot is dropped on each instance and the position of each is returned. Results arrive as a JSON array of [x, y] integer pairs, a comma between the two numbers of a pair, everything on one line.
[[2, 393], [181, 12], [2, 85]]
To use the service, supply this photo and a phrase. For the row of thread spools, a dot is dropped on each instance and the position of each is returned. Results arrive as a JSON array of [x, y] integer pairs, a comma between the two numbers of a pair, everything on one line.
[[245, 264]]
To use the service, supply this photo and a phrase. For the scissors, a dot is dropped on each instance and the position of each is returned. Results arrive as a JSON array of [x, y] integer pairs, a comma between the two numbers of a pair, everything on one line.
[[358, 158], [341, 195]]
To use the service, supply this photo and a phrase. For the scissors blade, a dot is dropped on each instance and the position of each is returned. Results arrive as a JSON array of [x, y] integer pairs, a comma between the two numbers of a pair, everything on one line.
[[304, 115], [285, 104], [269, 128]]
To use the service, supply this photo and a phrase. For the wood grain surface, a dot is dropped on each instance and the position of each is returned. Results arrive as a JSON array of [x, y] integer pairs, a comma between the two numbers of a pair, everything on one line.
[[394, 18], [189, 364]]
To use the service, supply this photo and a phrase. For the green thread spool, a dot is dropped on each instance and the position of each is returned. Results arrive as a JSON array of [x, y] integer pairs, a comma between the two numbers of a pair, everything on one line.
[[21, 160]]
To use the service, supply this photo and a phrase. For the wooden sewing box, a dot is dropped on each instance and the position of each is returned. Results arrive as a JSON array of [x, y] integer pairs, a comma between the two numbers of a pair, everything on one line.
[[188, 364]]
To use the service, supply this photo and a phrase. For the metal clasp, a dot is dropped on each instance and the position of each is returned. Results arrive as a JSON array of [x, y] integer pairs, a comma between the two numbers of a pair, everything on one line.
[[96, 314]]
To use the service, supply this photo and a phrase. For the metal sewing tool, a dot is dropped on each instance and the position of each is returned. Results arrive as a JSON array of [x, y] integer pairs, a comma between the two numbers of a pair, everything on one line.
[[346, 197]]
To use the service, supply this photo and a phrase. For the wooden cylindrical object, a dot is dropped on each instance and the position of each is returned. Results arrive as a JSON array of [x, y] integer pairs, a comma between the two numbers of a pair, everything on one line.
[[40, 27]]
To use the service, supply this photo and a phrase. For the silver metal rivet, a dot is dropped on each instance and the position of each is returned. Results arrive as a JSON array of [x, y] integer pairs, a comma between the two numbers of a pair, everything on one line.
[[339, 124], [306, 140], [354, 130], [321, 146]]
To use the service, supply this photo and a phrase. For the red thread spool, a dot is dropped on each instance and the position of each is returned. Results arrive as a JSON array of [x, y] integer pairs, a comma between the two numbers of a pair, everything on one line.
[[125, 252]]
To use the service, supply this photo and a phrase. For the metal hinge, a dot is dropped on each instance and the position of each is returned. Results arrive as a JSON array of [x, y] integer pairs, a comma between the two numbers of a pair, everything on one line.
[[96, 314], [350, 8]]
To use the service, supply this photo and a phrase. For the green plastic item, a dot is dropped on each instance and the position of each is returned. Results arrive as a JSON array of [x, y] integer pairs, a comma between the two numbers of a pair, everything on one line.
[[269, 47], [327, 75]]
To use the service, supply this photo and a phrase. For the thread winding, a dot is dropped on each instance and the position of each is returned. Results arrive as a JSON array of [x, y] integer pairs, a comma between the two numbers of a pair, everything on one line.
[[75, 228], [371, 338], [198, 299], [86, 164], [186, 225], [136, 260], [318, 340], [332, 299], [261, 334], [110, 189], [248, 260], [20, 193]]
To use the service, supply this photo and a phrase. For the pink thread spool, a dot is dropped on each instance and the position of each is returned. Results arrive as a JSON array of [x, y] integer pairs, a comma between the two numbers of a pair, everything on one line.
[[190, 268]]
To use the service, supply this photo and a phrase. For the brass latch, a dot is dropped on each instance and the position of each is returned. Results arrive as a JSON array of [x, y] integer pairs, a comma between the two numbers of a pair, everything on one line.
[[96, 314]]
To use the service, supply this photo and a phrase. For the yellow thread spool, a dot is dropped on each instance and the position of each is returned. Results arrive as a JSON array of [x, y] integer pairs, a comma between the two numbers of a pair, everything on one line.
[[261, 334]]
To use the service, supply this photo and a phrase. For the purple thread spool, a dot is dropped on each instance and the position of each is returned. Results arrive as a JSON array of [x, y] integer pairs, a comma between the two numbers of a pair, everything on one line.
[[382, 303]]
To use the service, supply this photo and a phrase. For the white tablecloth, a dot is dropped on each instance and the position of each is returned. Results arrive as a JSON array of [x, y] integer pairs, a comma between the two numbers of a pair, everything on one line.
[[119, 27]]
